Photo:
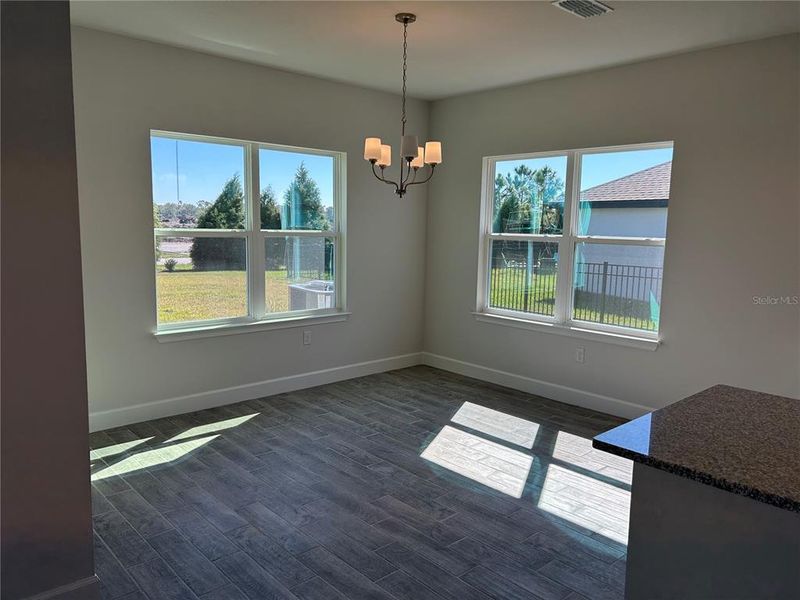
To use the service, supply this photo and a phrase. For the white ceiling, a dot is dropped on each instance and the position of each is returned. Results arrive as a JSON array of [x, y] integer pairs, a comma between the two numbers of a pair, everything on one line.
[[455, 47]]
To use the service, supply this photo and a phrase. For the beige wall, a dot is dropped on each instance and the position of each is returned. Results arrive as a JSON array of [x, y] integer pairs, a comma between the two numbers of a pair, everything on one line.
[[46, 508], [733, 221], [123, 88]]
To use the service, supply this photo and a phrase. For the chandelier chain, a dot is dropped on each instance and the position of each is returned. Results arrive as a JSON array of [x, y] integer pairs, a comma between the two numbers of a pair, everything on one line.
[[405, 60]]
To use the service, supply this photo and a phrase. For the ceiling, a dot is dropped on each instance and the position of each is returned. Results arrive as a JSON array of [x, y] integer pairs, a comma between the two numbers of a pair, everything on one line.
[[454, 48]]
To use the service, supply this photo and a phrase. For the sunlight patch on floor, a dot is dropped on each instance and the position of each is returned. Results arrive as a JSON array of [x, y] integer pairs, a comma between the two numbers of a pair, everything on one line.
[[497, 424], [211, 428], [151, 458], [485, 462], [578, 451], [115, 449], [587, 502]]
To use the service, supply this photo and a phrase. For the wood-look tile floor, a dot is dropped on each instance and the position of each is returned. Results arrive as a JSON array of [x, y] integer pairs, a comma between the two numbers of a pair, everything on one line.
[[324, 494]]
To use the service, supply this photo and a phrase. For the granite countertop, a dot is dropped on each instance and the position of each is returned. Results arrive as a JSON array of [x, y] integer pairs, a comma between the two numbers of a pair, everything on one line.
[[738, 440]]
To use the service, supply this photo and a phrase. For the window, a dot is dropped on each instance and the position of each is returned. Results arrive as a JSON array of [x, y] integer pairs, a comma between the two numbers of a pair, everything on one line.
[[576, 238], [244, 232]]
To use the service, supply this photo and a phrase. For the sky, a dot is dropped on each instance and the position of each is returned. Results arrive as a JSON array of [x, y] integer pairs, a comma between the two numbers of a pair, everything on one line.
[[203, 168], [596, 168]]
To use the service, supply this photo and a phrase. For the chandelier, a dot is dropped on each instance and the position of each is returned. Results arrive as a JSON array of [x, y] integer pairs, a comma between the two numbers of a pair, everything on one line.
[[413, 157]]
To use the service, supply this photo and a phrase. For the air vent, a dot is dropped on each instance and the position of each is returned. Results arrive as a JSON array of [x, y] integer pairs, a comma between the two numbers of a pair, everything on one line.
[[583, 8]]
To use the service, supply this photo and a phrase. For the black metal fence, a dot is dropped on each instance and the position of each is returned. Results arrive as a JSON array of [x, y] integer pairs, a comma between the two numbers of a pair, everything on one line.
[[614, 294]]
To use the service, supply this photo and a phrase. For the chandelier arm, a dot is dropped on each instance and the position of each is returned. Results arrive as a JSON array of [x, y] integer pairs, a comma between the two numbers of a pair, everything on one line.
[[383, 179], [408, 175], [427, 179]]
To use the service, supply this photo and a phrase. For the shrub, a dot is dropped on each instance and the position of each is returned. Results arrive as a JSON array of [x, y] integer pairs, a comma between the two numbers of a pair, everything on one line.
[[170, 264]]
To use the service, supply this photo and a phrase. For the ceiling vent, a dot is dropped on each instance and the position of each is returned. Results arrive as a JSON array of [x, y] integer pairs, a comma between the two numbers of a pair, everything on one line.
[[583, 8]]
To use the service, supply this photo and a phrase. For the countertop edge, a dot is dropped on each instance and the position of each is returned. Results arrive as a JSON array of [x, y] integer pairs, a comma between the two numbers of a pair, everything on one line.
[[701, 477]]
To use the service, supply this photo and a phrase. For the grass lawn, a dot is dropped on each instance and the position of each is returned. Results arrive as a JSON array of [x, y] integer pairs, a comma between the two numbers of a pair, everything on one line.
[[186, 295], [507, 291]]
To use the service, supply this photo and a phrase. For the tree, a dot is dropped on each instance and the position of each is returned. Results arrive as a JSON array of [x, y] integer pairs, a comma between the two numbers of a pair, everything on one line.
[[271, 219], [304, 210], [226, 212], [303, 203], [528, 201]]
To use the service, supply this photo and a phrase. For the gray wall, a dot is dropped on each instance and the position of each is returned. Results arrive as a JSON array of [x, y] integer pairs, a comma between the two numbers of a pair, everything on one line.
[[411, 274], [123, 88], [46, 513], [733, 219]]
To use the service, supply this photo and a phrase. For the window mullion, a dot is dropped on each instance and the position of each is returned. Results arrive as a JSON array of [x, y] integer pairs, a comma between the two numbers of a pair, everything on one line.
[[255, 241], [566, 247]]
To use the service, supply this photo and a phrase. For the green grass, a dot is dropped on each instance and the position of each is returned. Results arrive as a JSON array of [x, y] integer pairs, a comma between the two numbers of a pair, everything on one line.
[[507, 291], [187, 295]]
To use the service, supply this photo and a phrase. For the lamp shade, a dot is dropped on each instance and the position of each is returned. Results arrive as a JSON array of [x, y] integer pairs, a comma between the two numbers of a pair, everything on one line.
[[372, 148], [420, 158], [386, 156], [433, 153], [408, 146]]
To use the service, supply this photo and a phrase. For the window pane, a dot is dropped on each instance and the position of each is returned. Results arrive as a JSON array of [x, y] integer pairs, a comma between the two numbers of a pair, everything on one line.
[[625, 193], [200, 278], [522, 276], [529, 195], [296, 190], [618, 284], [197, 184], [299, 273]]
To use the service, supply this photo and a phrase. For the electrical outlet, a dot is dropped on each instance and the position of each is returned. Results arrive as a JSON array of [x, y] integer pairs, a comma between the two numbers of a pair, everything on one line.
[[580, 354], [307, 337]]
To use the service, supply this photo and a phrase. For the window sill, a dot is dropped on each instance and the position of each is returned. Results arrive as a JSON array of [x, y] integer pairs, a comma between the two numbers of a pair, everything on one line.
[[190, 333], [630, 341]]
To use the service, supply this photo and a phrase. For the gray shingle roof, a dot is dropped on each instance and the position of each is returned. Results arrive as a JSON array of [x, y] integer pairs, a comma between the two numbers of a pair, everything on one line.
[[649, 184]]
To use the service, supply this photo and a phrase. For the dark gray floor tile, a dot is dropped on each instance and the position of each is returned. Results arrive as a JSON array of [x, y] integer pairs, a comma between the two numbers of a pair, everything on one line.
[[274, 527], [578, 580], [404, 587], [200, 532], [139, 513], [349, 550], [123, 540], [442, 532], [188, 562], [497, 586], [340, 575], [158, 581], [316, 589], [439, 580], [270, 556], [114, 579], [229, 592], [323, 493], [427, 547], [251, 579]]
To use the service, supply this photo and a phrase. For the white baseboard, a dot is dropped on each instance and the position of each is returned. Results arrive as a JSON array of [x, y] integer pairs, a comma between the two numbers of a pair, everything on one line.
[[182, 404], [554, 391], [87, 588]]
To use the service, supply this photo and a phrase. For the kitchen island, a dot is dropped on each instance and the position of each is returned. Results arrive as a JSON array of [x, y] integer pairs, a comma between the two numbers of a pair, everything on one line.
[[715, 500]]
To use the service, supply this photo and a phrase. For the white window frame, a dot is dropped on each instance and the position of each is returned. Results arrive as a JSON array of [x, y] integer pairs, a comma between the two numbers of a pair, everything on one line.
[[561, 321], [258, 317]]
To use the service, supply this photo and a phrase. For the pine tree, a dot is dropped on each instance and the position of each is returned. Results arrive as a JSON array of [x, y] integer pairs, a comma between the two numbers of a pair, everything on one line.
[[303, 202], [226, 212], [271, 219]]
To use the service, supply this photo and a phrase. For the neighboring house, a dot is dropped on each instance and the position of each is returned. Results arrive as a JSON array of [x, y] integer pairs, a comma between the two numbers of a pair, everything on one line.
[[633, 206]]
